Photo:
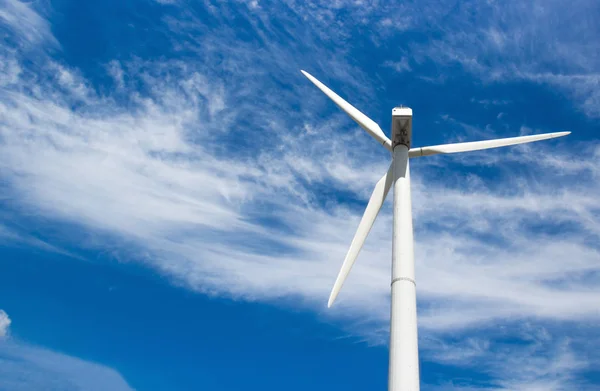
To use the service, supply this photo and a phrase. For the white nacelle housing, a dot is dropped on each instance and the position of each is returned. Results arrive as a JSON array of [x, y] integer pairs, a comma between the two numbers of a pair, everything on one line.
[[402, 111], [401, 126]]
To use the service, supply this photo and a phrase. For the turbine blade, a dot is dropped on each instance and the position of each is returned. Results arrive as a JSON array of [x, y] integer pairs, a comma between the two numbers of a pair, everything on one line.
[[477, 145], [366, 223], [365, 122]]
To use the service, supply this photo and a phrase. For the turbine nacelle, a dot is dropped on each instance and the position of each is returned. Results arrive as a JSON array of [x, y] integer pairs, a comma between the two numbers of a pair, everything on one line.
[[401, 126]]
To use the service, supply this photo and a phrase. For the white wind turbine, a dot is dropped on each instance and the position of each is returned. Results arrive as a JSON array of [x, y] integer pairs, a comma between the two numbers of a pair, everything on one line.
[[404, 353]]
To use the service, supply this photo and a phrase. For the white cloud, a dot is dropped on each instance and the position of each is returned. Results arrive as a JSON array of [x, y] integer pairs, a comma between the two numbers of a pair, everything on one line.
[[532, 361], [14, 237], [491, 102], [26, 367], [28, 24], [538, 41], [4, 323], [398, 66], [583, 87], [134, 174], [9, 72]]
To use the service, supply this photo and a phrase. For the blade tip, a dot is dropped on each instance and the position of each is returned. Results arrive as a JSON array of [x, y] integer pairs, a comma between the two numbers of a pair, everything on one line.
[[331, 300]]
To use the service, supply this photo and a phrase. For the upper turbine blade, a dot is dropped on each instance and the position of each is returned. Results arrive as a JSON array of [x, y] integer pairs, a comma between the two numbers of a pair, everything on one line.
[[365, 122], [366, 223], [477, 145]]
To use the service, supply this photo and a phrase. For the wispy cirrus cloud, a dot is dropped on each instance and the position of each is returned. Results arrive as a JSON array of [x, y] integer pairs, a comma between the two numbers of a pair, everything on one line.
[[536, 360], [398, 66], [26, 367], [230, 174], [541, 42], [31, 27]]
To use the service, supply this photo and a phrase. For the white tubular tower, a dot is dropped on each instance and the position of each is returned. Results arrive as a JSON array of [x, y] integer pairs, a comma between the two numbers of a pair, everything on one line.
[[404, 352]]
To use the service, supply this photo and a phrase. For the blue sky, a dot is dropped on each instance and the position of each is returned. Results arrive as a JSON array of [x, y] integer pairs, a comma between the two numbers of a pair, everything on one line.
[[177, 198]]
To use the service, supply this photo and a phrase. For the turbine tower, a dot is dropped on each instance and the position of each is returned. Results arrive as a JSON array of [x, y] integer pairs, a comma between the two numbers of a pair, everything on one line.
[[404, 353]]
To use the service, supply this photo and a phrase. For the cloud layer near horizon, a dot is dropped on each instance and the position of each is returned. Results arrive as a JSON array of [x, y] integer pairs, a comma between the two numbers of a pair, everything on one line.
[[26, 367]]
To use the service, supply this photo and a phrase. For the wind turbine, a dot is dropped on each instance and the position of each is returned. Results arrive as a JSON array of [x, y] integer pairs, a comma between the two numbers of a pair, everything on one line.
[[404, 353]]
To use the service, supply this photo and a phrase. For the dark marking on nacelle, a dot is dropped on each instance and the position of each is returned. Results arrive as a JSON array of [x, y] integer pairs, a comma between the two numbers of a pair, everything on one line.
[[401, 130]]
